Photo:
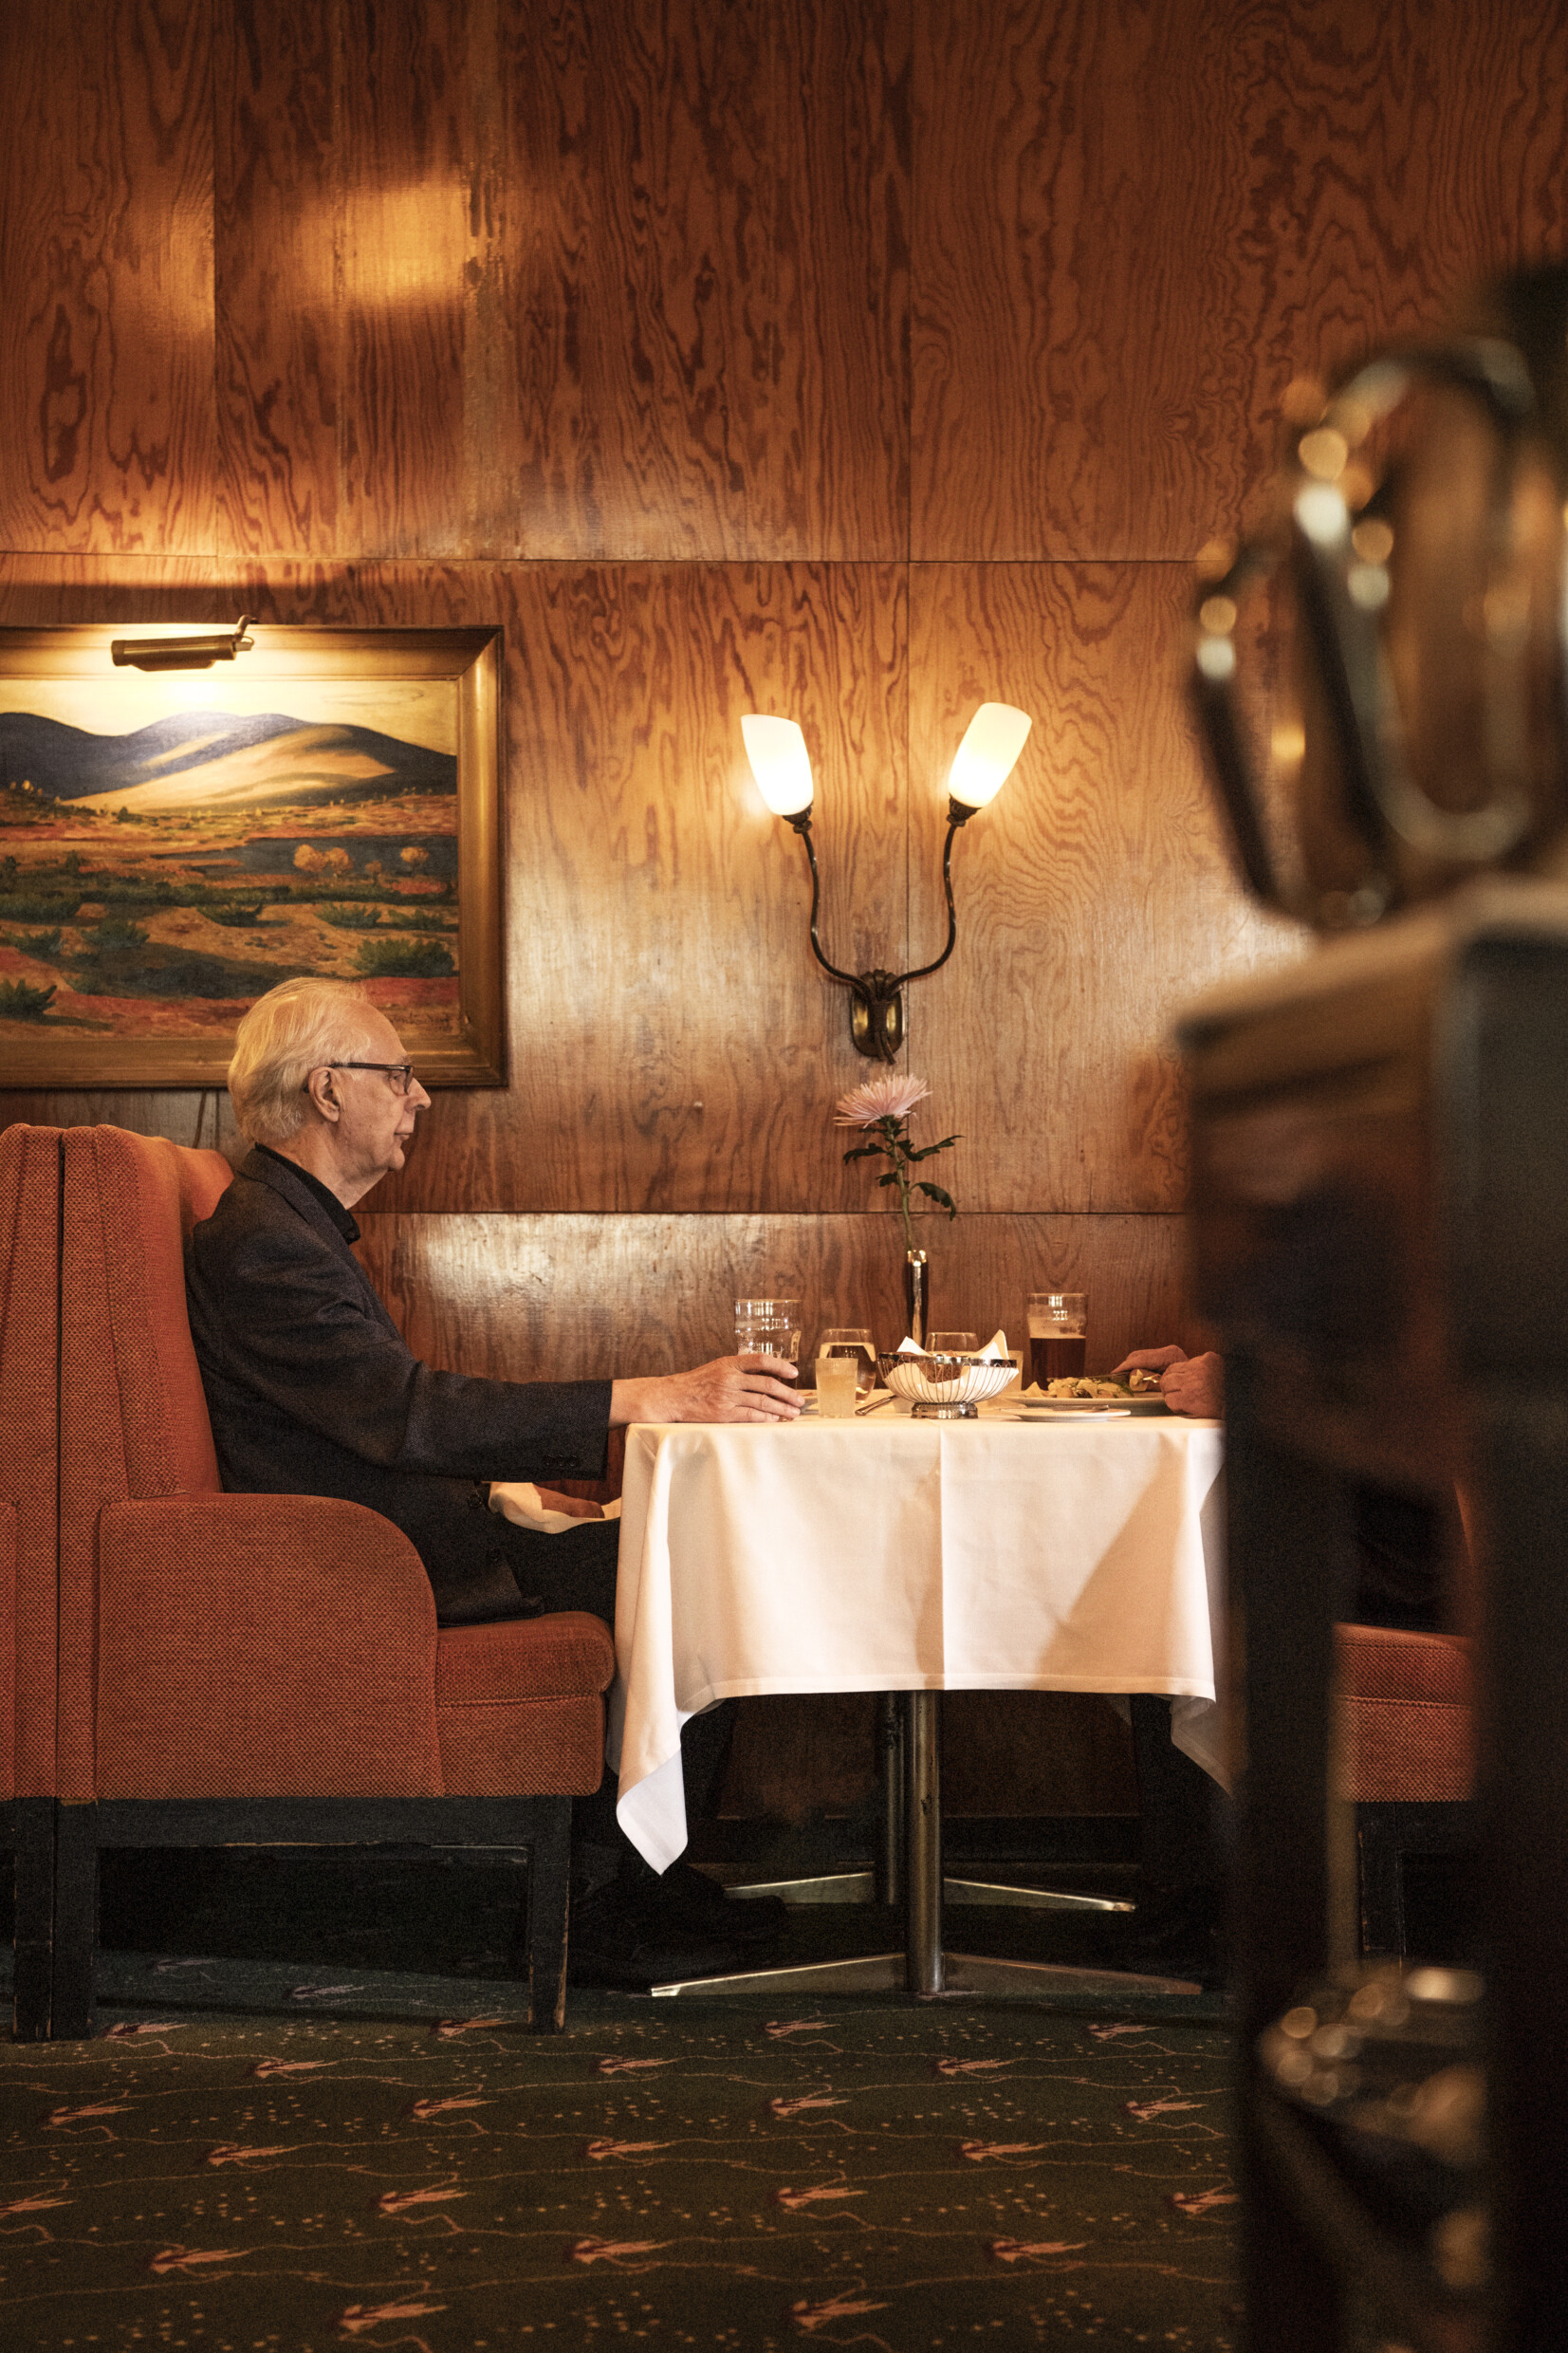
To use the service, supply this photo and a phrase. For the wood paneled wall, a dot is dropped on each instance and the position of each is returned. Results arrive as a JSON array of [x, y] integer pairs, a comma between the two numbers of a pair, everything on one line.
[[858, 358]]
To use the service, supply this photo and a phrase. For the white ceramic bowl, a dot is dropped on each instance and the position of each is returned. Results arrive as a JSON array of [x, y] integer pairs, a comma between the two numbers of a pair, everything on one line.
[[945, 1380]]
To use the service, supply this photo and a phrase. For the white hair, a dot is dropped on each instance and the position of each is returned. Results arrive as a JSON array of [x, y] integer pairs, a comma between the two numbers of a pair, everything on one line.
[[292, 1030]]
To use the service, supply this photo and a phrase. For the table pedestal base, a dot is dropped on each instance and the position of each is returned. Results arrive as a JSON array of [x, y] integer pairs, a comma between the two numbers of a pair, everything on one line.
[[962, 1974], [923, 1968]]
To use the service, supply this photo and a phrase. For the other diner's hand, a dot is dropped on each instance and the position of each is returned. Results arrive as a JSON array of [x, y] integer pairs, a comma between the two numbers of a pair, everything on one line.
[[732, 1388], [1190, 1384]]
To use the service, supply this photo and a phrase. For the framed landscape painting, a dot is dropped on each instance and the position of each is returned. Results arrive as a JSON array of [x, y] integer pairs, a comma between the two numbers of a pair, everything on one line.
[[174, 842]]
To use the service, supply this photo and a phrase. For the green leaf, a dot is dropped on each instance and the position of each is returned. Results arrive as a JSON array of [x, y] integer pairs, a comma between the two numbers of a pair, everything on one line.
[[863, 1152], [890, 1178], [937, 1195]]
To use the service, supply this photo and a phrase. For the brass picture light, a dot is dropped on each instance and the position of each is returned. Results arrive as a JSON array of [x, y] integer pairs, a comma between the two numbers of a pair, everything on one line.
[[782, 766], [187, 652]]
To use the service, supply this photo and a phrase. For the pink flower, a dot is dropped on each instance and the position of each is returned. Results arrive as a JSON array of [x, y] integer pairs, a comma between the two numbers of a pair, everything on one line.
[[879, 1099]]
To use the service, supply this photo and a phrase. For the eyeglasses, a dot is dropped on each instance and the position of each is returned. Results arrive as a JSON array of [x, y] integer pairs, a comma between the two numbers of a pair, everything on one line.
[[401, 1073]]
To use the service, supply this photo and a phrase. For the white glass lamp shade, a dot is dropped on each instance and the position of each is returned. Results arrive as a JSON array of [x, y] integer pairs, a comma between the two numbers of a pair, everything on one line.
[[779, 762], [987, 754]]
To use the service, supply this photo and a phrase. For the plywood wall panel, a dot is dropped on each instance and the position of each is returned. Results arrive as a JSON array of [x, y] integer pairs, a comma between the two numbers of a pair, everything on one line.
[[673, 1046], [1095, 896], [1002, 1753], [1132, 226], [418, 242], [707, 270], [524, 1298], [106, 251], [278, 221]]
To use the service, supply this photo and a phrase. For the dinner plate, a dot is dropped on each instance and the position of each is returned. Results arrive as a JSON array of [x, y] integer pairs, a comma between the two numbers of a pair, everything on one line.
[[1094, 1405]]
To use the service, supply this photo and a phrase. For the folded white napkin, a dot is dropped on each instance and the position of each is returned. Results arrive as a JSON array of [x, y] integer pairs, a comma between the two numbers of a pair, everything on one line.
[[519, 1500], [995, 1348]]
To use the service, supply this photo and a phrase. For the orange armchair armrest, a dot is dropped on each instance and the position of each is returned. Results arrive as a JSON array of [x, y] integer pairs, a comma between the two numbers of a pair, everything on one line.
[[262, 1646]]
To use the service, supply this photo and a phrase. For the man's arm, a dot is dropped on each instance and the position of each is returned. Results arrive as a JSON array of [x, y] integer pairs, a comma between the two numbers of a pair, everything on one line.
[[282, 1315], [732, 1388]]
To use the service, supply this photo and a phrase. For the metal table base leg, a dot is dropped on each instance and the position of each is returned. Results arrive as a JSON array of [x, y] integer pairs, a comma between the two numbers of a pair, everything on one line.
[[910, 1734], [923, 1842]]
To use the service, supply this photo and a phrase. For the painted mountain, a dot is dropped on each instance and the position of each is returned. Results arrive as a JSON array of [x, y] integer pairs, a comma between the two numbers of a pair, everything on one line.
[[214, 760]]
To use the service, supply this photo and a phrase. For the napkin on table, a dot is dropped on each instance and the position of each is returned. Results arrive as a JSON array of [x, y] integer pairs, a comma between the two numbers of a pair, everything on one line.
[[519, 1500], [996, 1347]]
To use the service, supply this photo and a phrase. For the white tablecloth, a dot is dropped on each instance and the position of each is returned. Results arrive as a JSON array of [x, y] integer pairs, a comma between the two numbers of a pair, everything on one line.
[[889, 1554]]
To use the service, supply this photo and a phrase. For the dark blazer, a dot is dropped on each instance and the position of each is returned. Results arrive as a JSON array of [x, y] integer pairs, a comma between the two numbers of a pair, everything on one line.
[[312, 1392]]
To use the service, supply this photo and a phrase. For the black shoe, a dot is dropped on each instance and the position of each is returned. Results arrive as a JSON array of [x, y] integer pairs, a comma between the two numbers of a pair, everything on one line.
[[620, 1941], [686, 1899], [1174, 1933]]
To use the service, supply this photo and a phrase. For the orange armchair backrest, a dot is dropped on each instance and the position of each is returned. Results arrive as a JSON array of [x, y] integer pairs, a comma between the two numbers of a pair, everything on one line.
[[29, 1363], [130, 1202], [133, 1415]]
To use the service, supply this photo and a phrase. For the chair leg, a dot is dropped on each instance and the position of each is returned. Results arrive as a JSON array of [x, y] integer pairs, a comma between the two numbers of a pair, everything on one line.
[[550, 1903], [75, 1922], [34, 1918], [1382, 1881]]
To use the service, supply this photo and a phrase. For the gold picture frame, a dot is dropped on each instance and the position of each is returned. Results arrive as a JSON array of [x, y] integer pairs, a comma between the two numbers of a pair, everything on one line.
[[329, 800]]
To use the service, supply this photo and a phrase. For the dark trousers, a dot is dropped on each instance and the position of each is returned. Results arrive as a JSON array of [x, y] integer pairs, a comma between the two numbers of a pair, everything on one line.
[[576, 1569], [1398, 1567]]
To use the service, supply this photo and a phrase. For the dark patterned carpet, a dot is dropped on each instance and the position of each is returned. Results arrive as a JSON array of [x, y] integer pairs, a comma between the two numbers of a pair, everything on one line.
[[343, 2134], [856, 2176]]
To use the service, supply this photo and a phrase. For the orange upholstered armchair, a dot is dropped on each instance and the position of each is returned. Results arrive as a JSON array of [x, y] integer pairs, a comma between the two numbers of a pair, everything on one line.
[[29, 1438], [1408, 1760], [266, 1669]]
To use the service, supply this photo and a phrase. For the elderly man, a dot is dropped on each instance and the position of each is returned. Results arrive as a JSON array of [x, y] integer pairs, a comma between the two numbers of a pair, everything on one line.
[[312, 1391]]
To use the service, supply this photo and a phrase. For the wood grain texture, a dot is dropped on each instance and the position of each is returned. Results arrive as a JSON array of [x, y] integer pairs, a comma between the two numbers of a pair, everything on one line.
[[672, 1043], [501, 279], [522, 1298], [1002, 1753], [106, 292], [656, 953], [278, 222], [1133, 225], [707, 267], [1093, 895]]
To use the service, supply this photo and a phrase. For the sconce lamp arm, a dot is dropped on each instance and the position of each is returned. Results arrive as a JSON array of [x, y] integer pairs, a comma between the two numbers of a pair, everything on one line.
[[877, 1013], [957, 815], [803, 826]]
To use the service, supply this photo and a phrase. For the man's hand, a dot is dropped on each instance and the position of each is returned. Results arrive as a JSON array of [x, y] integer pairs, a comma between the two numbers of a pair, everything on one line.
[[1190, 1384], [575, 1507], [732, 1388]]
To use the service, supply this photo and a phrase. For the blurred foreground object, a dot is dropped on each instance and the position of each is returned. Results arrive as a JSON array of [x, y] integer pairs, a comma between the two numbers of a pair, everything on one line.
[[1380, 675]]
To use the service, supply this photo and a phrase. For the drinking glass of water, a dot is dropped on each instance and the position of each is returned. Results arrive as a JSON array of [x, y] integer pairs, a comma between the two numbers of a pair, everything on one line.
[[768, 1327]]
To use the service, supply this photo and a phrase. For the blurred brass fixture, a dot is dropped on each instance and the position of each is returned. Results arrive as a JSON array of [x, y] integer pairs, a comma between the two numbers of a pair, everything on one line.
[[187, 653], [1381, 674], [782, 766]]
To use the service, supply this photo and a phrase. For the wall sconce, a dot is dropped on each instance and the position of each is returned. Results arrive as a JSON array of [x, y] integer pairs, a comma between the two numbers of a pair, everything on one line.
[[187, 653], [782, 766]]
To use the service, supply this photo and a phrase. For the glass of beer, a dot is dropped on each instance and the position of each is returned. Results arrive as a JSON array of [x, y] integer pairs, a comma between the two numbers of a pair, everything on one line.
[[1058, 1335]]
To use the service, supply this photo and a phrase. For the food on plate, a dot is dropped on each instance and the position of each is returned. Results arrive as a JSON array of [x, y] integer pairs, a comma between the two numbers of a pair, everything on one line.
[[1138, 1382]]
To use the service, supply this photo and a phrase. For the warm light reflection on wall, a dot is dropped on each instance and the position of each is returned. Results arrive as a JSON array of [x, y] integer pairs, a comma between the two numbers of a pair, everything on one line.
[[389, 249]]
